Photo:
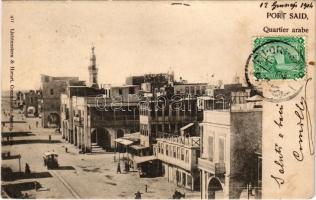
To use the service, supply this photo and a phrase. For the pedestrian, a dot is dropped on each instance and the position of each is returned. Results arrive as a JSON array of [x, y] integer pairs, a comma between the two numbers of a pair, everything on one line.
[[36, 124], [27, 169], [146, 188], [118, 168], [66, 150], [30, 126], [50, 138], [138, 195]]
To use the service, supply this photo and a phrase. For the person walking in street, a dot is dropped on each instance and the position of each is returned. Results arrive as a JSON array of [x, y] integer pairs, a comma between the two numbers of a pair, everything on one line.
[[138, 195], [118, 168], [30, 126], [146, 188], [27, 169], [36, 124], [50, 138], [66, 149]]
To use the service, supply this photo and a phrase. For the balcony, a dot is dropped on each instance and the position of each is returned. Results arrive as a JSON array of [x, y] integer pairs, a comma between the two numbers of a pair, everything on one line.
[[114, 123], [187, 141], [214, 168]]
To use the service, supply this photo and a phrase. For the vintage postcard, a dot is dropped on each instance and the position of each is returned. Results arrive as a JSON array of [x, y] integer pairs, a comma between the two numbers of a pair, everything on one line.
[[157, 99]]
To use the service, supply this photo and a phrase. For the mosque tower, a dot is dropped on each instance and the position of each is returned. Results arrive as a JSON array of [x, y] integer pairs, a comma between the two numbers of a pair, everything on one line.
[[93, 71]]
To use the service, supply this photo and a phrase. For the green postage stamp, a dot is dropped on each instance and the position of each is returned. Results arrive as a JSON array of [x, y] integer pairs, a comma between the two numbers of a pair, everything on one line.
[[277, 58]]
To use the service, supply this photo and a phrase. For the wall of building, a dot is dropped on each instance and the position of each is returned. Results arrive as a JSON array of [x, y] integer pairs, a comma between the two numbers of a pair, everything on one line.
[[215, 149], [52, 88], [246, 142], [159, 118], [126, 93], [240, 133]]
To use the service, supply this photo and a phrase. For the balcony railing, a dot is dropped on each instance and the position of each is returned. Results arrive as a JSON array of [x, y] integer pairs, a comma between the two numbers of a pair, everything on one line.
[[188, 141]]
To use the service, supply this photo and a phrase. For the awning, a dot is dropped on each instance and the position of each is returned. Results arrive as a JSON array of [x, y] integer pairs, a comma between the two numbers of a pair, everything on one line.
[[142, 159], [132, 136], [123, 141], [138, 147], [254, 98]]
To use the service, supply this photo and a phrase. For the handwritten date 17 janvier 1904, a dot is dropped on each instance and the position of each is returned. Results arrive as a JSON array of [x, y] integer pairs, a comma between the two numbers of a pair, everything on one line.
[[303, 116]]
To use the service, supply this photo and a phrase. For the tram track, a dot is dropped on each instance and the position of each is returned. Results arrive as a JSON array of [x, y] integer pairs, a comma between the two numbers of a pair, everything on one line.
[[66, 184]]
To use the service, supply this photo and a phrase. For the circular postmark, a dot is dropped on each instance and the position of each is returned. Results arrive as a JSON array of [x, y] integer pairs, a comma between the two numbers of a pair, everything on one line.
[[276, 67]]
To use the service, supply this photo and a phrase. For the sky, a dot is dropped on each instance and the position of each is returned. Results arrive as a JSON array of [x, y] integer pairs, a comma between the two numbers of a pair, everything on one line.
[[55, 38]]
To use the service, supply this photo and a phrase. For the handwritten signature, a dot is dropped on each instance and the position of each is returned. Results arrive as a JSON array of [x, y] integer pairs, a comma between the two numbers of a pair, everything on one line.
[[303, 115]]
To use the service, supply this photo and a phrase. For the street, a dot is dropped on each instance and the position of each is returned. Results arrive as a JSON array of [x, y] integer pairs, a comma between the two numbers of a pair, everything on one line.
[[78, 175]]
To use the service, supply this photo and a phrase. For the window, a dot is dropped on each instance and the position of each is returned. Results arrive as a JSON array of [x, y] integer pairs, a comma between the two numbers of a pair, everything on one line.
[[192, 90], [51, 91], [162, 149], [178, 152], [170, 150], [201, 136], [184, 178], [221, 149], [203, 89], [178, 177], [189, 180], [131, 90], [187, 156], [187, 90], [167, 149], [210, 148], [198, 91], [182, 154], [120, 92], [174, 152]]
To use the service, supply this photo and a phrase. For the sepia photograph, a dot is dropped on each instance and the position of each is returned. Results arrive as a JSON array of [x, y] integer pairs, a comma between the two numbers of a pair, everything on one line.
[[157, 99]]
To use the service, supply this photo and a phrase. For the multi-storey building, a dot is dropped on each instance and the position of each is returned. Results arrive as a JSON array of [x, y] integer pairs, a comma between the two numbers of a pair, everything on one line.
[[52, 88], [97, 123], [179, 157], [125, 93], [20, 100], [230, 163], [161, 116], [74, 89], [193, 89]]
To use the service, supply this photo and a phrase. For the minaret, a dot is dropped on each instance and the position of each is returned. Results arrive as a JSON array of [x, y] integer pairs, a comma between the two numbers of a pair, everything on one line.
[[93, 71]]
